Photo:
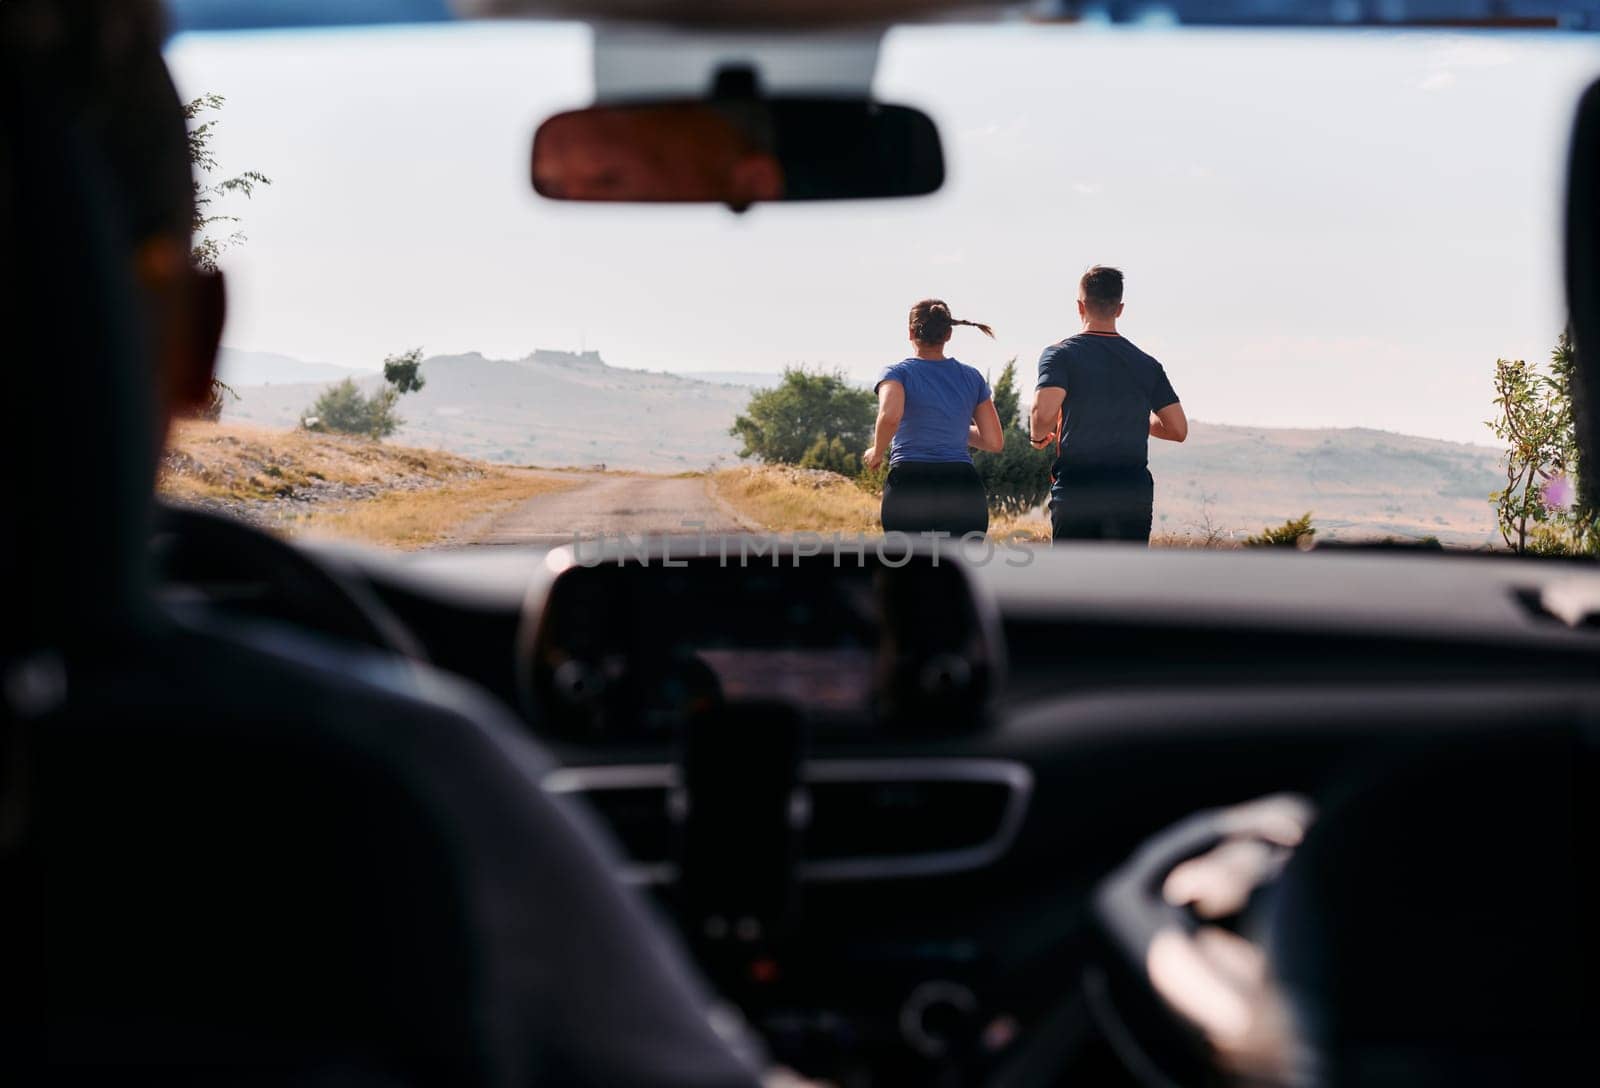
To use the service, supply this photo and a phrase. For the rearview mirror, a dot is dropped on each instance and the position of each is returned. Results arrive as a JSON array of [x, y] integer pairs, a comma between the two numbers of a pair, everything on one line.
[[738, 151]]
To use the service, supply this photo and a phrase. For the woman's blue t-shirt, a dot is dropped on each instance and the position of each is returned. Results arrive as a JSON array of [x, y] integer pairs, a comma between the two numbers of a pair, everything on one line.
[[941, 395]]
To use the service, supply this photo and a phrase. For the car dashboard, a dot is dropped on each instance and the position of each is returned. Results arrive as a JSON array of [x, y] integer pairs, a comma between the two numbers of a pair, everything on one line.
[[875, 799]]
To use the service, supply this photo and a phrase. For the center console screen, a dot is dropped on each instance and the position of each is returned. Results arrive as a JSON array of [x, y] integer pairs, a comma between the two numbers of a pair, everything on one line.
[[632, 649]]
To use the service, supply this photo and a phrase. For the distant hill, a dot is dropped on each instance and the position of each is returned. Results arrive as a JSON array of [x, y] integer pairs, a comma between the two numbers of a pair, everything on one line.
[[548, 408], [565, 408], [751, 379], [1358, 482], [238, 368]]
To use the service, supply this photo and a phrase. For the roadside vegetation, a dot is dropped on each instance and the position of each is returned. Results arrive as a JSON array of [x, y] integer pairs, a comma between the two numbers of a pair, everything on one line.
[[1542, 509], [812, 419], [1017, 478], [789, 499], [344, 409], [1295, 533], [297, 482]]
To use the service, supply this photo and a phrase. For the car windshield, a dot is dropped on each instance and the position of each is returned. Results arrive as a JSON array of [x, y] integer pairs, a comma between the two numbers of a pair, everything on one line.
[[1343, 248]]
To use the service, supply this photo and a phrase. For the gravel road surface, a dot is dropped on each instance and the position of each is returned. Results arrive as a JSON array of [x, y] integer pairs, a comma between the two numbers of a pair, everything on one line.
[[607, 504]]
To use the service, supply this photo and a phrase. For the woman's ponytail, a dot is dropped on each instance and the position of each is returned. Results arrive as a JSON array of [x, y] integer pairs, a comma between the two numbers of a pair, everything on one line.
[[931, 322]]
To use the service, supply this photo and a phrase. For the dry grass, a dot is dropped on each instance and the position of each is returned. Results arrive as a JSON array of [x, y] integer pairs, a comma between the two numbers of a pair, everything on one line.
[[791, 500], [1197, 538], [294, 481], [417, 519], [1030, 528]]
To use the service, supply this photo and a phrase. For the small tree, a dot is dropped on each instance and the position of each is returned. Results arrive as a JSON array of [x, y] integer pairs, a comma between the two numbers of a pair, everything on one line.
[[344, 409], [1539, 510], [1294, 533], [1017, 478], [404, 371], [781, 425]]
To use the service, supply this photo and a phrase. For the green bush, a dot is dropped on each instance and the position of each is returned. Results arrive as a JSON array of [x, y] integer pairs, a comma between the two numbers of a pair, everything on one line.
[[783, 424], [344, 409], [1017, 478], [871, 480], [1294, 533], [833, 455]]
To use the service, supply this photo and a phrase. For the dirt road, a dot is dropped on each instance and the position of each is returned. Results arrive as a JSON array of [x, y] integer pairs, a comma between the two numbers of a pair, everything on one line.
[[607, 503]]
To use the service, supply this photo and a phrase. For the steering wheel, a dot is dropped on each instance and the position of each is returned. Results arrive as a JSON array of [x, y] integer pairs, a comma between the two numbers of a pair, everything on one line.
[[238, 568], [1151, 1002]]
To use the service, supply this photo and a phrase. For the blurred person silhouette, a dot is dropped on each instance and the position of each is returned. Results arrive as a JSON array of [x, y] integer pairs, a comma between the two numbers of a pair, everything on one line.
[[1101, 399], [272, 859]]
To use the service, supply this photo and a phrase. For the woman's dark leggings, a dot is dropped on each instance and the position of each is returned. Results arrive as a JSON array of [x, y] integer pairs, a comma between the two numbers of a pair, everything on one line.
[[934, 497]]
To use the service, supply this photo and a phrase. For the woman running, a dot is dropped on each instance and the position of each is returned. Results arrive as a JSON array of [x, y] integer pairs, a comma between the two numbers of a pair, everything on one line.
[[933, 408]]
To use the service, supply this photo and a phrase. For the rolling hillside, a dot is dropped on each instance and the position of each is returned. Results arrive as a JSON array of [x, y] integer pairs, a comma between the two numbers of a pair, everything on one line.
[[561, 408], [548, 408], [239, 368], [1359, 482]]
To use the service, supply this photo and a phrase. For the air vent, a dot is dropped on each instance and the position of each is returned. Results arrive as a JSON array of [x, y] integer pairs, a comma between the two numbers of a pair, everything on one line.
[[870, 819]]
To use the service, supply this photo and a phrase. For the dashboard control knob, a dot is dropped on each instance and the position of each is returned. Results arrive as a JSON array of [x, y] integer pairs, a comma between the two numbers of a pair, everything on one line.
[[937, 1016]]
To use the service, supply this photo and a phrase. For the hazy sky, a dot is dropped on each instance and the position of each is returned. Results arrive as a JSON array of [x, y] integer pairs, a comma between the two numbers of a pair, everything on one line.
[[1335, 229]]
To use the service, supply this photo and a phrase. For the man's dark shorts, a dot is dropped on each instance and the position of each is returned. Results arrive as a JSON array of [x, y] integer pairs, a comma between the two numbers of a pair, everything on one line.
[[1102, 504]]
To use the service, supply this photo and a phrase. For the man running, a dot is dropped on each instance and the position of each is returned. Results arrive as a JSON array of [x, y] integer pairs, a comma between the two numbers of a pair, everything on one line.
[[1108, 399]]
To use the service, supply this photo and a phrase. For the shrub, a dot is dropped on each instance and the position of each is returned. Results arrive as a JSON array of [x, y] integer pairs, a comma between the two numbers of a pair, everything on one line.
[[781, 425], [1017, 478], [341, 408], [1294, 533], [344, 409], [833, 455], [871, 480]]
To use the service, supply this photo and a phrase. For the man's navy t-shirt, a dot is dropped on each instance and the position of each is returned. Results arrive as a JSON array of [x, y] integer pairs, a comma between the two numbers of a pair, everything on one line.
[[1112, 387]]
